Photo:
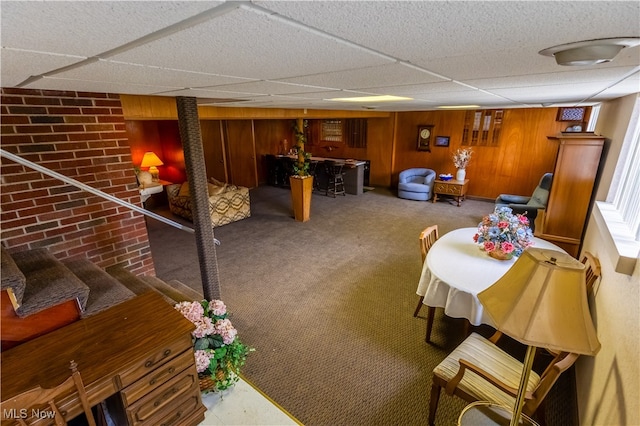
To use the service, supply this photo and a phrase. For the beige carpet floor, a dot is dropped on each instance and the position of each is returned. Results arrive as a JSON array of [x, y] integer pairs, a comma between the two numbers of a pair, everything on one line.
[[328, 304]]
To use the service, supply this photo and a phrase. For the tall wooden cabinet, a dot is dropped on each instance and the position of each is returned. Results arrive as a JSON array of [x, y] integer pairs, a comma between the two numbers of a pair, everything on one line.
[[572, 190]]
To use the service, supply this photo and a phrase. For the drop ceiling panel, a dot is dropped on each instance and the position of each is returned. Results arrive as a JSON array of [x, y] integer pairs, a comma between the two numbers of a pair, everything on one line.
[[449, 29], [53, 83], [17, 66], [363, 78], [273, 87], [249, 45], [88, 27], [118, 72], [571, 75]]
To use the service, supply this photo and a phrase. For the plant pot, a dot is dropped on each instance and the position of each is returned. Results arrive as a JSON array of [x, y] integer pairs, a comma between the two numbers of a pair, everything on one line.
[[301, 190]]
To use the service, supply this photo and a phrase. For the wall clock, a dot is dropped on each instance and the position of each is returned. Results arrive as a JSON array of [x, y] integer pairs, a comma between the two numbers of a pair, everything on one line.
[[425, 133]]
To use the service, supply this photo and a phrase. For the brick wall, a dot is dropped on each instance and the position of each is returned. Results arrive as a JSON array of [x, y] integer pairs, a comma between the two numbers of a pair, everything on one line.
[[80, 135]]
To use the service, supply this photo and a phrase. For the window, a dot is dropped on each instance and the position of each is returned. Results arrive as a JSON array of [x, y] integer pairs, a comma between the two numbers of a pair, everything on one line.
[[620, 213]]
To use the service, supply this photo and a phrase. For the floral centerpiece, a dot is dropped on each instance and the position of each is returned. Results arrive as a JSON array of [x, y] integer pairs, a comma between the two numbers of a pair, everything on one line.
[[503, 234], [461, 157], [218, 351]]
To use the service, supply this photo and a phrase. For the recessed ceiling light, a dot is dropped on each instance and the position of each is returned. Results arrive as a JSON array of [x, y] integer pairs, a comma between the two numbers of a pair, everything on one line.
[[589, 52], [458, 106], [380, 98]]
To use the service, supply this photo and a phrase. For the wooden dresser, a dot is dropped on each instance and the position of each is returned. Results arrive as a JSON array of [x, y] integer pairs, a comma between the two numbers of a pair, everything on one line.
[[136, 356]]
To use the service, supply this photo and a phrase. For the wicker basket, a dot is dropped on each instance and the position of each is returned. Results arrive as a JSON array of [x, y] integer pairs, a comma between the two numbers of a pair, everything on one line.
[[207, 383]]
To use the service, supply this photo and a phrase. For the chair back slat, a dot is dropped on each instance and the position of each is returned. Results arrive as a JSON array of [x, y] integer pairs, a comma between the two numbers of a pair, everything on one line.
[[593, 270], [427, 237]]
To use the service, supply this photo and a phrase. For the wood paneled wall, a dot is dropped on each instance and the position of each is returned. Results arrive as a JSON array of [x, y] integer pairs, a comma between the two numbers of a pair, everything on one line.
[[523, 153], [514, 166]]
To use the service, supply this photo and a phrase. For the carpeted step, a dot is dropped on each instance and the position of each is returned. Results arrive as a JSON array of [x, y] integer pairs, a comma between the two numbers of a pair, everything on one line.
[[186, 290], [13, 280], [105, 292], [175, 290], [135, 283], [48, 282]]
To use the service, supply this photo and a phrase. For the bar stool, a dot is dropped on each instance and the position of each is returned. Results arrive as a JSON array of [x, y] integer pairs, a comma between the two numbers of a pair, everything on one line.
[[335, 184]]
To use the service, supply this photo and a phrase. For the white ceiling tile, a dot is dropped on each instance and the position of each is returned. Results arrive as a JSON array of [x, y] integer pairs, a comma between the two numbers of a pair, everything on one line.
[[106, 70], [245, 44], [18, 65], [53, 83], [88, 27]]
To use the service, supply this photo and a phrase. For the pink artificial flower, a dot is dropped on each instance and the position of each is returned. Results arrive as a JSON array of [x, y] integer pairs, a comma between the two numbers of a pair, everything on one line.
[[503, 224], [217, 307], [226, 330], [523, 220], [203, 358], [204, 327], [489, 246], [193, 311], [507, 247], [475, 238]]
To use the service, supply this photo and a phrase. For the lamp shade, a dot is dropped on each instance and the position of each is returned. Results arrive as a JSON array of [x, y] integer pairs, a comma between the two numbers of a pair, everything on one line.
[[542, 301], [150, 159]]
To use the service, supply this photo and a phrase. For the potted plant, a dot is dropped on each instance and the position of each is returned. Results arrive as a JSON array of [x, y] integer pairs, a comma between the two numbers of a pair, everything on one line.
[[301, 181], [218, 351]]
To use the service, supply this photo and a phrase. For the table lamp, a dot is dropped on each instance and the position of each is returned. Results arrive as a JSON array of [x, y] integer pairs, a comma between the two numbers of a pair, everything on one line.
[[542, 302], [151, 160]]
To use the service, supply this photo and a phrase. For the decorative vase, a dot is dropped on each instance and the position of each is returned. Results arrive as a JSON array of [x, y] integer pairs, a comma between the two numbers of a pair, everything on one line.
[[460, 175], [500, 255], [301, 189]]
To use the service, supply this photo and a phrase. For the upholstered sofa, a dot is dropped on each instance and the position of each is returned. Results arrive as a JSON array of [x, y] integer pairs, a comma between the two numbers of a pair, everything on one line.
[[416, 184], [227, 203]]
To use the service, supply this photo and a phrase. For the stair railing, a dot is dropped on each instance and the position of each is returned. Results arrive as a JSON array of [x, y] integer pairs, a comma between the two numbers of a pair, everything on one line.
[[85, 187]]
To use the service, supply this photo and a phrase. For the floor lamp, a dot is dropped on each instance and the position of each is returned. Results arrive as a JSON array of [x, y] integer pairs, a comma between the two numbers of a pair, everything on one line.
[[542, 302]]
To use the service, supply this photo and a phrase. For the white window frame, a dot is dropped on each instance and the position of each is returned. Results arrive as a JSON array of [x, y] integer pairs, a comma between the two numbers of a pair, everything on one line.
[[620, 213]]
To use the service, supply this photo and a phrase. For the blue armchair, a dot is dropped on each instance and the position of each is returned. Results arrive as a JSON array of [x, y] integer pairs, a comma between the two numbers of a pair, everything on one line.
[[416, 184], [529, 205]]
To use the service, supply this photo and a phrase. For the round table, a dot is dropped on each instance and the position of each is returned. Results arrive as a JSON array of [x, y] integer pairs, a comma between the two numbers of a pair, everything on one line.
[[456, 270]]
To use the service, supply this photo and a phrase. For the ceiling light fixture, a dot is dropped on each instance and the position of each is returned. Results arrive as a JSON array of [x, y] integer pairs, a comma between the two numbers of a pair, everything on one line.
[[380, 98], [590, 52], [458, 106]]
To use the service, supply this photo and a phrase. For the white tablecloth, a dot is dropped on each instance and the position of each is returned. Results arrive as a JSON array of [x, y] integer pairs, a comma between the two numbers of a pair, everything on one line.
[[456, 270]]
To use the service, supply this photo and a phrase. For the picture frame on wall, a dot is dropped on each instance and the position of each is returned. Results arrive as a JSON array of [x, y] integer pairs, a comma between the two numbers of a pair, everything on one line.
[[571, 114], [425, 133], [442, 141]]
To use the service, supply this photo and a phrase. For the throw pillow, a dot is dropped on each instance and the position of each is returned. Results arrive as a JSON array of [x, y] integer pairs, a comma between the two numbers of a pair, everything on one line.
[[216, 190], [184, 190]]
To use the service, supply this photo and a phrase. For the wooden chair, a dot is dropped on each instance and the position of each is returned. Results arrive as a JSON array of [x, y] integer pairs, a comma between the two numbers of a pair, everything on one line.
[[497, 374], [427, 237], [20, 408], [593, 270]]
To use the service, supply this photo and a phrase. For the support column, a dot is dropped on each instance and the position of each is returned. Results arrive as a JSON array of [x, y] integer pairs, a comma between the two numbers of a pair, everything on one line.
[[189, 124]]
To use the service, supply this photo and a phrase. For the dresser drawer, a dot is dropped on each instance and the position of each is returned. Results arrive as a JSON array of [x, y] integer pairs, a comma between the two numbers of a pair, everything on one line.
[[154, 360], [157, 377], [189, 411], [164, 399]]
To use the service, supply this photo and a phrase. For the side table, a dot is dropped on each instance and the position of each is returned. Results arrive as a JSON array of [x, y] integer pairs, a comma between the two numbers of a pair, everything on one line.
[[484, 413], [454, 188]]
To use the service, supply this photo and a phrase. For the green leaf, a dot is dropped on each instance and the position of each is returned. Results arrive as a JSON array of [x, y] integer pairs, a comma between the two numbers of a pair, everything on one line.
[[201, 344]]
